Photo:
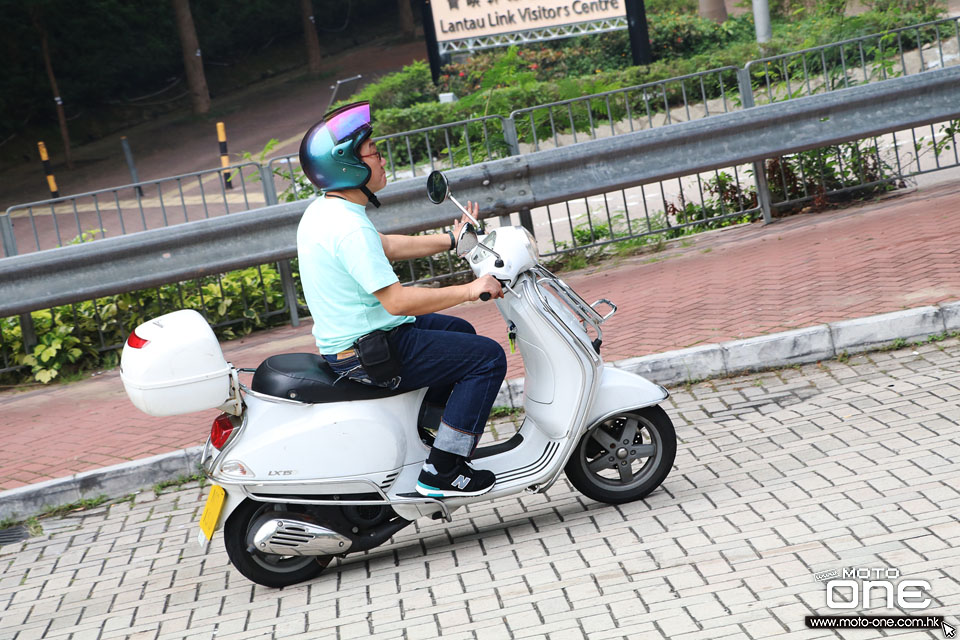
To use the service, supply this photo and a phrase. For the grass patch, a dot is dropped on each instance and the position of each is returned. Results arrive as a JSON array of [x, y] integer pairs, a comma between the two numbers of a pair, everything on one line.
[[178, 482], [505, 412]]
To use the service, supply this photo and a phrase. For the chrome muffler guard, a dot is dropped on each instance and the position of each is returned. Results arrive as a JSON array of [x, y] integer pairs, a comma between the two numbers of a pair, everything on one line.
[[292, 536]]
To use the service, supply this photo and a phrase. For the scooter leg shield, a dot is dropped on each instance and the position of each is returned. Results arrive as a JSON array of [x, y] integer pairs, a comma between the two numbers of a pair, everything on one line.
[[621, 390]]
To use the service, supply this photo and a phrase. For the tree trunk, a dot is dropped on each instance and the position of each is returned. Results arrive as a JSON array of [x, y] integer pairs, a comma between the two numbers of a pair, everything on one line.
[[192, 61], [310, 36], [406, 18], [48, 65], [714, 10]]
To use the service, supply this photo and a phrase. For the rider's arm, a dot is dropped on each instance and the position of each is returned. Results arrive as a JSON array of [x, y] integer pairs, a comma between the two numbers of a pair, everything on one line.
[[417, 301], [397, 247]]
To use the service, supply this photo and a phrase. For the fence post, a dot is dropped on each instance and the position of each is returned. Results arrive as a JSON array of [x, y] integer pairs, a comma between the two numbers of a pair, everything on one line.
[[510, 135], [28, 333], [269, 189], [286, 275], [289, 292], [6, 234], [513, 143], [759, 166]]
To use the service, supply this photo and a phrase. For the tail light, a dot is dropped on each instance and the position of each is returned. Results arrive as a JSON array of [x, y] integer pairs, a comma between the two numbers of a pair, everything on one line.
[[136, 341], [220, 432]]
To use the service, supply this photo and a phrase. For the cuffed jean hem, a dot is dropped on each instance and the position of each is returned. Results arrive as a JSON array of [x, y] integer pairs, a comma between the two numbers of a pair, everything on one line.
[[452, 441]]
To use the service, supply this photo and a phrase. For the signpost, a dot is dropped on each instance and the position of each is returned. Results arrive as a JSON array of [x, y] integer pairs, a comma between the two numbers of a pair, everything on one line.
[[471, 25]]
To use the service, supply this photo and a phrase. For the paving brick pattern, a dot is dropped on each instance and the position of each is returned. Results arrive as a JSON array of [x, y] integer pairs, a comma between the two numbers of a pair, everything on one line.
[[778, 475], [737, 283]]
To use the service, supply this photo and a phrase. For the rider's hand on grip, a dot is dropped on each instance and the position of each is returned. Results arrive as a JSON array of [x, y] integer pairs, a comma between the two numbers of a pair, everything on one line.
[[485, 288]]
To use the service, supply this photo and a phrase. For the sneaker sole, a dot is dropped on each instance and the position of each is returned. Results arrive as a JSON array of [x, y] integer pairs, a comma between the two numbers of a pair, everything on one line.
[[433, 492]]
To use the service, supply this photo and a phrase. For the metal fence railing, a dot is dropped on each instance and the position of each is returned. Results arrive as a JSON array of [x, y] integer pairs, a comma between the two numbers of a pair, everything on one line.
[[839, 65], [611, 113], [135, 207], [860, 165], [646, 212]]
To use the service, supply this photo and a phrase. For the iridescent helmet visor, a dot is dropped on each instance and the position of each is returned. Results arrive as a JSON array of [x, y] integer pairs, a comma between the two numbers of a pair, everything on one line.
[[347, 120]]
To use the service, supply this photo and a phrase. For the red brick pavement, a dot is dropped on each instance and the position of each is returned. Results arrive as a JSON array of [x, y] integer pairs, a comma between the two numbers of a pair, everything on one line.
[[736, 283]]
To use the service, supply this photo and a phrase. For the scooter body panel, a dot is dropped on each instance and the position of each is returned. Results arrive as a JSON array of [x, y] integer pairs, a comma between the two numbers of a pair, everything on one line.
[[558, 373], [284, 441], [621, 391]]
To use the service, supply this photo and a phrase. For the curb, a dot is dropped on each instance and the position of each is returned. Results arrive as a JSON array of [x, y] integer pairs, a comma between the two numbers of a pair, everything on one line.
[[801, 346]]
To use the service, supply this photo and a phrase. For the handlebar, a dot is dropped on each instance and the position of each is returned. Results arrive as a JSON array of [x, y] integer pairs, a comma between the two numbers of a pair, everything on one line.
[[486, 296]]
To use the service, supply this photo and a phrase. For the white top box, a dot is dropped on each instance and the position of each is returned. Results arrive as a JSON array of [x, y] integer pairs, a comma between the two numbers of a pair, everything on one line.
[[173, 365]]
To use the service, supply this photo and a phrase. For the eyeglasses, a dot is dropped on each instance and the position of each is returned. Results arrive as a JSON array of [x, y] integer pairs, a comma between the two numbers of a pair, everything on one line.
[[376, 152]]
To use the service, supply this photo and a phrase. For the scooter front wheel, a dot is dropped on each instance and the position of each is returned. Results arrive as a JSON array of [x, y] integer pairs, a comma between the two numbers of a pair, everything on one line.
[[268, 569], [625, 457]]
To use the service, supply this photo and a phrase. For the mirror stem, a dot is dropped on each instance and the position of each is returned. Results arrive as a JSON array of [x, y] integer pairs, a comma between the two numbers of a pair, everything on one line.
[[467, 213]]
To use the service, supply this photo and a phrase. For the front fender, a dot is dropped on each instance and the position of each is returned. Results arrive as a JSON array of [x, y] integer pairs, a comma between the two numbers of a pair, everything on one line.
[[620, 391]]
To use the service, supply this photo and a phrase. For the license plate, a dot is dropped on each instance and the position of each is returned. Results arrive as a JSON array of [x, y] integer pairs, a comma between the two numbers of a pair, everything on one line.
[[211, 512]]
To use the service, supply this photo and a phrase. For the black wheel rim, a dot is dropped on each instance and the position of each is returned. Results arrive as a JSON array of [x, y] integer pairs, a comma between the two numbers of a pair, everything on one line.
[[621, 453], [277, 563]]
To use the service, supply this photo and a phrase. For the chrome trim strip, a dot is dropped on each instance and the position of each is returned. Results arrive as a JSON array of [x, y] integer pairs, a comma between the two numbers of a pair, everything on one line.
[[385, 501], [267, 398]]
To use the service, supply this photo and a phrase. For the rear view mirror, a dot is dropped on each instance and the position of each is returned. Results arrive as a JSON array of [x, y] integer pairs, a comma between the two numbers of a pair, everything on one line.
[[438, 190], [437, 187]]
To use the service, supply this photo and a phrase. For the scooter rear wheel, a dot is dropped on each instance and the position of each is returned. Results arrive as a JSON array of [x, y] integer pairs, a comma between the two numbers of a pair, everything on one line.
[[268, 569], [625, 457]]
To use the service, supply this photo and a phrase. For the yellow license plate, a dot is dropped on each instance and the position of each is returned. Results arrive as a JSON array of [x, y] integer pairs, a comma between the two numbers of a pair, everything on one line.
[[211, 512]]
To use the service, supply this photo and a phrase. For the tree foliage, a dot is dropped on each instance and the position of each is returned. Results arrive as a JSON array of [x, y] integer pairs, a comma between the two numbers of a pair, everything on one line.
[[111, 51]]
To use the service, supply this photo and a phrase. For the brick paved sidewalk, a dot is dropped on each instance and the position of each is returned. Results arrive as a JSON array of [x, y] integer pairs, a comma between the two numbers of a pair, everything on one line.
[[736, 283], [778, 476]]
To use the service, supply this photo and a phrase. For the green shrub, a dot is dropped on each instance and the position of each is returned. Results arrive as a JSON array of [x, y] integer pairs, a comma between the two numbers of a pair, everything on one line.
[[407, 87], [86, 335]]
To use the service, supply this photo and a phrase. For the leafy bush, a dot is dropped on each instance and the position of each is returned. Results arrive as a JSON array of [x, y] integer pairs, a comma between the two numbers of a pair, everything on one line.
[[405, 88], [87, 335], [811, 174]]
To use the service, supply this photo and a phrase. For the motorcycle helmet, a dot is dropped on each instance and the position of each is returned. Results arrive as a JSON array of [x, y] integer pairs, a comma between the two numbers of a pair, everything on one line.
[[330, 150]]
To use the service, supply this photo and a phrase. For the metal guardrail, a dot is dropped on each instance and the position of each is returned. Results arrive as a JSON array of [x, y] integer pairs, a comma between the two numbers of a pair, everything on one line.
[[502, 186], [856, 61], [846, 63], [700, 198]]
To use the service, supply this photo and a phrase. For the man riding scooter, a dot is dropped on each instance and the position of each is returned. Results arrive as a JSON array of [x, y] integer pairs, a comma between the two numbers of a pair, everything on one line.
[[369, 327]]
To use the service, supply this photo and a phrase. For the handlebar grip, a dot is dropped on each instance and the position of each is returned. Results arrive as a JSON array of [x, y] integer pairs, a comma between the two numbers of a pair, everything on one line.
[[484, 296]]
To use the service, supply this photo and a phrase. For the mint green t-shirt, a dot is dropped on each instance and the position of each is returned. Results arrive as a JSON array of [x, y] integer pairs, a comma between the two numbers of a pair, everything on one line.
[[341, 264]]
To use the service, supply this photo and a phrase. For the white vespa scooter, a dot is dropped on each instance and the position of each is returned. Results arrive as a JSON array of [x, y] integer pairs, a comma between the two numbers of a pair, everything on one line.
[[305, 467]]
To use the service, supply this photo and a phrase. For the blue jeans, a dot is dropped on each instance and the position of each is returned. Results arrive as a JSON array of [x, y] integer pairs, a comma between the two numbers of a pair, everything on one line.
[[461, 369]]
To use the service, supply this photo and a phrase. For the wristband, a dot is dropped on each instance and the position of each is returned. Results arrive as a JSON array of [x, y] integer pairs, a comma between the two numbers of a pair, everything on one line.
[[453, 240]]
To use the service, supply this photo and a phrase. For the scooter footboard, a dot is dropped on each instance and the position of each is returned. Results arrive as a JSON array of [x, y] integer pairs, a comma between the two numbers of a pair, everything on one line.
[[621, 390]]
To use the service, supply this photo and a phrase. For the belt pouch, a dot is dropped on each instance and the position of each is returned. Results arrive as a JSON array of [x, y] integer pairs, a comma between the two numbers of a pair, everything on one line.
[[377, 356]]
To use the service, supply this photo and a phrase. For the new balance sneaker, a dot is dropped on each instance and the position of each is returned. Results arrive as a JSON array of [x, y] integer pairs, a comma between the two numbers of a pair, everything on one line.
[[463, 480]]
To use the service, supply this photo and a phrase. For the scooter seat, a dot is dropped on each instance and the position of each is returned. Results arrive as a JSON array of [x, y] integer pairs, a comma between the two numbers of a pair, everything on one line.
[[306, 377]]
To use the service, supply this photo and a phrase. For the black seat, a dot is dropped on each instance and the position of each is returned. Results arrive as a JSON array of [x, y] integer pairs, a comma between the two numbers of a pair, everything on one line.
[[306, 377]]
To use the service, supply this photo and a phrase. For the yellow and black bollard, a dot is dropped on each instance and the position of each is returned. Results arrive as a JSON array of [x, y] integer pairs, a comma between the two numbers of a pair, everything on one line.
[[51, 181], [224, 158]]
